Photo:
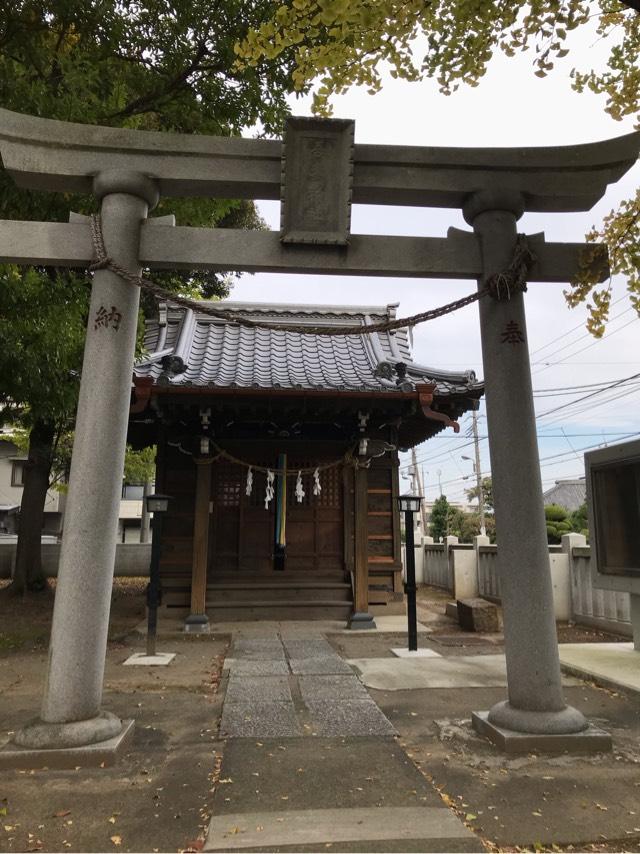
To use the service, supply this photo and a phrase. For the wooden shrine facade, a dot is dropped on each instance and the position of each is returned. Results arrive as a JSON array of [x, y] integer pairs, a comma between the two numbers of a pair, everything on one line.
[[227, 404]]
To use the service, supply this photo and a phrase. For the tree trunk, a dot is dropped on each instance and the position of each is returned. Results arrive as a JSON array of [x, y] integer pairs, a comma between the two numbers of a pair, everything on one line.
[[28, 571]]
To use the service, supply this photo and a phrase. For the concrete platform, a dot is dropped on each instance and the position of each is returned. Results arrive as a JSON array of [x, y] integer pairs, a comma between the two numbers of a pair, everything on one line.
[[101, 754], [614, 665], [462, 671], [415, 653], [160, 659], [342, 794], [590, 740], [329, 826]]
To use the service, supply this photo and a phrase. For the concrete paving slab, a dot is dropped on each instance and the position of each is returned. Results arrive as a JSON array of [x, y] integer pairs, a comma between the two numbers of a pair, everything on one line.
[[348, 718], [396, 674], [328, 826], [332, 687], [259, 720], [612, 664], [256, 668], [322, 665], [160, 659], [390, 623], [301, 773], [267, 689], [312, 648], [258, 654], [402, 652]]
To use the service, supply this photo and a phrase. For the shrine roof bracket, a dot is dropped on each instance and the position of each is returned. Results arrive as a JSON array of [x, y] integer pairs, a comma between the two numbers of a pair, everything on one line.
[[46, 154]]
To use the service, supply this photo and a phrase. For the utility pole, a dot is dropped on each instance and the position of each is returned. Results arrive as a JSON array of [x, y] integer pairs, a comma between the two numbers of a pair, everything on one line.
[[483, 529], [419, 489]]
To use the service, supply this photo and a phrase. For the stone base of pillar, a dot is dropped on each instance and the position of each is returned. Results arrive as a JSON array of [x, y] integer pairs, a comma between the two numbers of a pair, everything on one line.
[[361, 620], [562, 722], [43, 735], [197, 623], [94, 755], [589, 740]]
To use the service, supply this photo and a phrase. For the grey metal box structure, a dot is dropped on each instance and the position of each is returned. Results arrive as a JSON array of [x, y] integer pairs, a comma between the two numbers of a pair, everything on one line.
[[613, 499]]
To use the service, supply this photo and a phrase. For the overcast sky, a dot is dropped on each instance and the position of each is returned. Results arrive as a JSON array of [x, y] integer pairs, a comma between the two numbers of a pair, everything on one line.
[[511, 107]]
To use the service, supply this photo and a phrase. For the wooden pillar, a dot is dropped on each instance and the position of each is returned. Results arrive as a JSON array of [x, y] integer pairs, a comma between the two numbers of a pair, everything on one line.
[[361, 618], [197, 621]]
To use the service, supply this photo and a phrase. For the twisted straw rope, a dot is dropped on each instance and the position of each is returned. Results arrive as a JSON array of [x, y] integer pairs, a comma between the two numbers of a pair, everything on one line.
[[499, 286]]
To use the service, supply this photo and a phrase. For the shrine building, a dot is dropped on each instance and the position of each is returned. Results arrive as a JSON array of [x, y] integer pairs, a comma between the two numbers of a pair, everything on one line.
[[280, 451]]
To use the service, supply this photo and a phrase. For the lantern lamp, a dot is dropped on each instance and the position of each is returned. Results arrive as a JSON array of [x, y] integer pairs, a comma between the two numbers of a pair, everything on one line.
[[158, 503], [409, 503]]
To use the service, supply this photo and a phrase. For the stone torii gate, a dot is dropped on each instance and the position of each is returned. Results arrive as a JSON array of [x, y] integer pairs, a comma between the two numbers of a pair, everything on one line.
[[317, 171]]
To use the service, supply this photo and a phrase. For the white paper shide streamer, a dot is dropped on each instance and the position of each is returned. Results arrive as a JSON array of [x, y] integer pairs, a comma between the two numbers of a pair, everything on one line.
[[300, 493], [249, 487], [268, 495], [317, 488]]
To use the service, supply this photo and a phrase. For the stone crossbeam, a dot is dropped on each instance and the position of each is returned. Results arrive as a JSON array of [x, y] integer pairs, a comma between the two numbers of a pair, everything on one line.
[[45, 154], [182, 248]]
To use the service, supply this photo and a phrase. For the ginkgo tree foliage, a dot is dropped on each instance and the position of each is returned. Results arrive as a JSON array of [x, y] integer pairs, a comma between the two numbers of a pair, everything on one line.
[[343, 43]]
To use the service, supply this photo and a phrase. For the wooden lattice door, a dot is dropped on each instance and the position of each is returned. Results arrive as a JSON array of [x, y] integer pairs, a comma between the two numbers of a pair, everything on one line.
[[242, 536], [315, 526]]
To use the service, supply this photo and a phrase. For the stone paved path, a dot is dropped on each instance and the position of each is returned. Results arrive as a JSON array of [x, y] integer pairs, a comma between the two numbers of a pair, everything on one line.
[[290, 687], [311, 762]]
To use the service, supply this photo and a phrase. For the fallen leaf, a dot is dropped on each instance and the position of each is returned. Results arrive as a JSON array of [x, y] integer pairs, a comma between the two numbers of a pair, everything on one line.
[[61, 813], [117, 840], [539, 814], [470, 817], [9, 827], [600, 807], [112, 820]]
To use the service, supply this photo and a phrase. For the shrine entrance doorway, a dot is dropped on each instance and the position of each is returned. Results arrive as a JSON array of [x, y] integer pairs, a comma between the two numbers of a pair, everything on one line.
[[242, 534]]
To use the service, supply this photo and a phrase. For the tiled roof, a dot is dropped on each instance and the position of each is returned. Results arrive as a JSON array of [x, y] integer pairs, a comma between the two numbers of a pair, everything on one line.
[[221, 354], [569, 494]]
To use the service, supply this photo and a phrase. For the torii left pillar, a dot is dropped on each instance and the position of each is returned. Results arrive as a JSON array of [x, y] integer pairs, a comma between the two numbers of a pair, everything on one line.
[[71, 715]]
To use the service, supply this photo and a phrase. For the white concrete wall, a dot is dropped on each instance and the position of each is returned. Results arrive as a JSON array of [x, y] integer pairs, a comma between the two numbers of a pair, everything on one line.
[[592, 606], [436, 566], [464, 572], [132, 559]]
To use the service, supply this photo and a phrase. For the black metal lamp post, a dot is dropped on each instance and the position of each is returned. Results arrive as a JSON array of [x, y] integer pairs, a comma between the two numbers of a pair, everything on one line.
[[410, 504], [158, 505]]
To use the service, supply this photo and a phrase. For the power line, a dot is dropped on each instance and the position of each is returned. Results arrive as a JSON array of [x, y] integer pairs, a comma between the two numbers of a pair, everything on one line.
[[553, 457], [581, 337], [591, 394], [573, 329], [582, 349]]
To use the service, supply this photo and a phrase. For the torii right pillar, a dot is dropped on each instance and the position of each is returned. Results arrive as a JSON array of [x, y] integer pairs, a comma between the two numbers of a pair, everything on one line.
[[535, 715]]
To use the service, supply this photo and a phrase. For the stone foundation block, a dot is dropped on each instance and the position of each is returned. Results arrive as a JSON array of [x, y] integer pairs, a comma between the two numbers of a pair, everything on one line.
[[100, 754], [590, 740], [478, 615]]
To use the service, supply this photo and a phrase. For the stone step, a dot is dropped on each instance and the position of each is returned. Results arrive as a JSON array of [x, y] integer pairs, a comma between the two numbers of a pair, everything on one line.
[[275, 592], [282, 610]]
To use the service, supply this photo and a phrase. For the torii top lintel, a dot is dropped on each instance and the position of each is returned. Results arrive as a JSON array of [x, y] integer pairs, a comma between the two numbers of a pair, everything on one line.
[[46, 154]]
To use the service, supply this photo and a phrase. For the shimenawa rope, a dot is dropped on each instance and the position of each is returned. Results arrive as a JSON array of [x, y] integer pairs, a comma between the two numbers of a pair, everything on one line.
[[499, 286]]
